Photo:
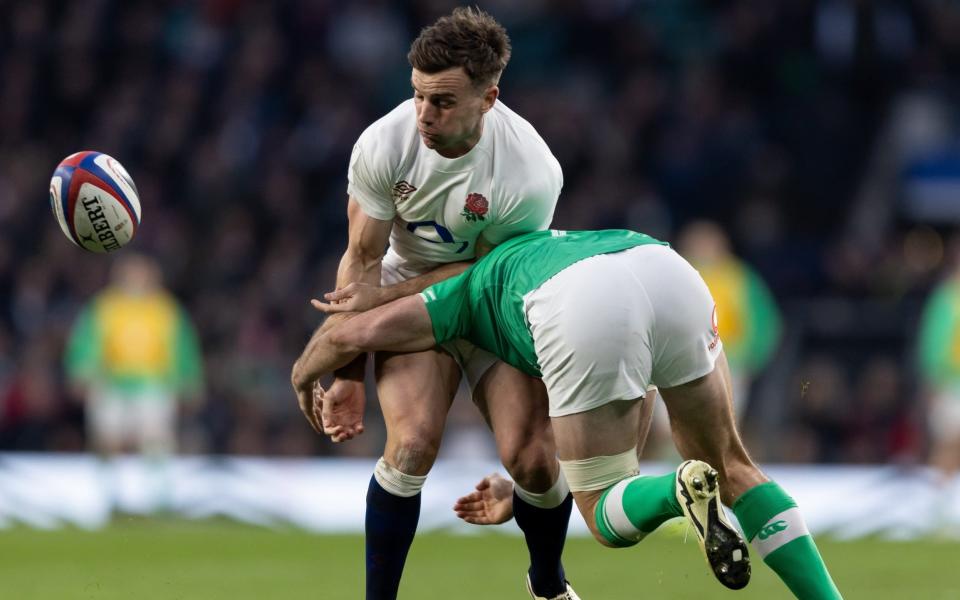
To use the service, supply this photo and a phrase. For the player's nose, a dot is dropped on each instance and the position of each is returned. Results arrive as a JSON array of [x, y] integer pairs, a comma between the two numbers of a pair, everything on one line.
[[426, 115]]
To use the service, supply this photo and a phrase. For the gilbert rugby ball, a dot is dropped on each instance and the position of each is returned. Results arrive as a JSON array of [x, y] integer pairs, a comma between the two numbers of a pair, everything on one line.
[[95, 201]]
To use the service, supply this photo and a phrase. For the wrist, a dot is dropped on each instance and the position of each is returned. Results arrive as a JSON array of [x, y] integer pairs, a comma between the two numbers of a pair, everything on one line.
[[297, 378]]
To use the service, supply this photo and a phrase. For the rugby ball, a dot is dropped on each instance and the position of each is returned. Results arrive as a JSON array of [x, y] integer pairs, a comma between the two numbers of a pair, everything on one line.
[[95, 201]]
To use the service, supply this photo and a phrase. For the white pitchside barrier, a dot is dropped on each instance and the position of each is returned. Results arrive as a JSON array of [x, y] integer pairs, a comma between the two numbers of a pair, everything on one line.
[[327, 495]]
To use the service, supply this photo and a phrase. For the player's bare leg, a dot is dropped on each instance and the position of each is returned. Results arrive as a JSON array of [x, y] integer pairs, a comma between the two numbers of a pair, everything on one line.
[[702, 421], [515, 406], [491, 503], [415, 393], [704, 428], [622, 507], [577, 440]]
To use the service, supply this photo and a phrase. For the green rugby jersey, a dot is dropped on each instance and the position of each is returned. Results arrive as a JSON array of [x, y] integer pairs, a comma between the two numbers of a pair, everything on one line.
[[484, 304]]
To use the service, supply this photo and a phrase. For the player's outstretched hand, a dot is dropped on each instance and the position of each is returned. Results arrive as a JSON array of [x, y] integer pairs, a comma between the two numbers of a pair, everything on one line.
[[340, 408], [490, 504], [354, 297]]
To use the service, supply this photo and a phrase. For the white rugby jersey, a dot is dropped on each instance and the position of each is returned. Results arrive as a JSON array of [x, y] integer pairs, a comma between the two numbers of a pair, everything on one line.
[[504, 186]]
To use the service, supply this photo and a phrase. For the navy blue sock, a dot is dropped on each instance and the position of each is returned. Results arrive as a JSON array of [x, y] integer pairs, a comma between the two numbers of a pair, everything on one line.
[[391, 524], [545, 530]]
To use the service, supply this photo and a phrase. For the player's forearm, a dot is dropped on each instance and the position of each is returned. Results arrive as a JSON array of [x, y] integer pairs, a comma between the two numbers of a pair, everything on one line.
[[422, 282], [324, 353], [359, 266]]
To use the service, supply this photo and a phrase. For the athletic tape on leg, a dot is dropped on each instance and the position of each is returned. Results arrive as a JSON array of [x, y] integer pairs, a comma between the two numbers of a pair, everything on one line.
[[600, 472], [551, 498], [397, 483]]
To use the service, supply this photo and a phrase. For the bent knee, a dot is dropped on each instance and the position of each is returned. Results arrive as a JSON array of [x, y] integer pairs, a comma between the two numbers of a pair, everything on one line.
[[602, 540], [531, 467], [413, 454]]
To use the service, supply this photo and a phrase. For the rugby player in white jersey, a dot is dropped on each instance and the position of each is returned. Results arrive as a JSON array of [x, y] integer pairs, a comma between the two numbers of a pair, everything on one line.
[[441, 177]]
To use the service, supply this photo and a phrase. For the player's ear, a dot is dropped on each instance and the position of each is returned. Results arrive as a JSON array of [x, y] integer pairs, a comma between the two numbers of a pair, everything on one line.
[[489, 98]]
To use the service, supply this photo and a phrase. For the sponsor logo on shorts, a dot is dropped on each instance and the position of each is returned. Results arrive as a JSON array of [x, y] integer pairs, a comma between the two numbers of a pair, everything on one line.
[[715, 328]]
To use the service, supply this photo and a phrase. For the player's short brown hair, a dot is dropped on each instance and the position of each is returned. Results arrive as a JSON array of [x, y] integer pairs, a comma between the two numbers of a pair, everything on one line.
[[468, 38]]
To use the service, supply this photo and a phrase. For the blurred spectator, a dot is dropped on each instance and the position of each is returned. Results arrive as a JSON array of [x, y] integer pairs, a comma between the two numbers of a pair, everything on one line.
[[746, 314], [939, 362], [132, 352]]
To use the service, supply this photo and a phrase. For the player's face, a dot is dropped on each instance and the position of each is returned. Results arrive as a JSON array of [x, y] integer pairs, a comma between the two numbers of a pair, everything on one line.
[[450, 110]]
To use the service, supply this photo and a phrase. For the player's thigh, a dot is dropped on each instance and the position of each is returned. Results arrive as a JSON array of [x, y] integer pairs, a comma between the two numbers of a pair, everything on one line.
[[701, 417], [515, 407], [606, 430], [646, 419], [704, 428], [415, 392]]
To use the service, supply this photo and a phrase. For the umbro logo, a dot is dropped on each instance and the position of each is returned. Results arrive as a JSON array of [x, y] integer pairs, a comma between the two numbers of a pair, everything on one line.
[[402, 191], [772, 529]]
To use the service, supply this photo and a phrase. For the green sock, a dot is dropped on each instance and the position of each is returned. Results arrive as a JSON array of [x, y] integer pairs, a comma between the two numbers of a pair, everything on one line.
[[773, 524], [634, 507]]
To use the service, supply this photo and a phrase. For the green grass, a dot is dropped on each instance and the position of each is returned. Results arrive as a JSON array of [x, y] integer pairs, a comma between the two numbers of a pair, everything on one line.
[[210, 561]]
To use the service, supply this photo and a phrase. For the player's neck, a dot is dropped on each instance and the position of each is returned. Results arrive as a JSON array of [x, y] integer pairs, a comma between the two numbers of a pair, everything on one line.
[[465, 145]]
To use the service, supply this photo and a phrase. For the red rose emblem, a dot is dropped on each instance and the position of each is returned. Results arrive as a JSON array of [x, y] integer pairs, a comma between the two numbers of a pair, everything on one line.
[[475, 208]]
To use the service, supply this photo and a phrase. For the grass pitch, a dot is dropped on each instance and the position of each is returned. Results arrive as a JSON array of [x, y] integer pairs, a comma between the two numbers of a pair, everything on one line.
[[211, 561]]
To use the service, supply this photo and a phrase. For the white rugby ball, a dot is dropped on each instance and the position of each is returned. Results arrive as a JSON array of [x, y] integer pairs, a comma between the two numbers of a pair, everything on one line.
[[95, 201]]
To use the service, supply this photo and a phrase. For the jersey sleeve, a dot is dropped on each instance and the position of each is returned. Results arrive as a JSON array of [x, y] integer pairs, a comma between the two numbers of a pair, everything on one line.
[[369, 182], [188, 358], [449, 308], [530, 209], [936, 335], [84, 346]]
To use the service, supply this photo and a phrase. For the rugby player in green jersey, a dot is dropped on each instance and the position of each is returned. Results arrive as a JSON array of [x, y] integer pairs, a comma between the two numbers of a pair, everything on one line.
[[601, 316]]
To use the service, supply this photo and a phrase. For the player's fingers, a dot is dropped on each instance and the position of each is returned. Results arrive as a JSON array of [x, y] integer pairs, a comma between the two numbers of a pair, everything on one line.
[[305, 408], [328, 308], [471, 497], [476, 507]]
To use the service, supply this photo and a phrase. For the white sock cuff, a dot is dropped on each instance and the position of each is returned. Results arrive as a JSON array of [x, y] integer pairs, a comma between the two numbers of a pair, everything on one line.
[[600, 472], [397, 483], [551, 498], [616, 516], [779, 531]]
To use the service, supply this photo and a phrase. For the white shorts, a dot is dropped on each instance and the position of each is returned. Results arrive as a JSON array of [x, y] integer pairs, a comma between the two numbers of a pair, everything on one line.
[[944, 416], [473, 361], [609, 326], [146, 420]]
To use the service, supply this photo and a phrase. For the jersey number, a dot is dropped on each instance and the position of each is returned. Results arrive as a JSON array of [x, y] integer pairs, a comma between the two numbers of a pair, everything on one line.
[[439, 231]]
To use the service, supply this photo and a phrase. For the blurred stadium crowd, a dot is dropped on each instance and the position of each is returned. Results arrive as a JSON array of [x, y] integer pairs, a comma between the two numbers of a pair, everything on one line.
[[819, 134]]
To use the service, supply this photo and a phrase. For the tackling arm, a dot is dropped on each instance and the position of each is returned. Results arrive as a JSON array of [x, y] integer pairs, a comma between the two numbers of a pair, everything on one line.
[[400, 326]]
